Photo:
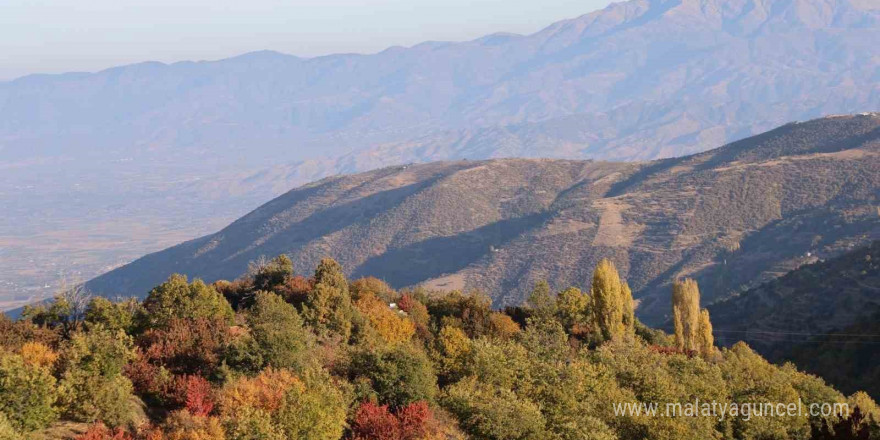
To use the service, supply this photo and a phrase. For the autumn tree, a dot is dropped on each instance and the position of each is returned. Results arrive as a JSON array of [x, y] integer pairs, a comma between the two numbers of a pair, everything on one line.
[[178, 299], [705, 339], [187, 346], [610, 301], [490, 412], [378, 422], [629, 313], [27, 393], [417, 313], [573, 311], [502, 326], [328, 308], [693, 329], [391, 325], [65, 312]]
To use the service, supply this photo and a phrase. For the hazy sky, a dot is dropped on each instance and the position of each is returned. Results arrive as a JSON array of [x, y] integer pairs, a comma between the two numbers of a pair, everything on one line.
[[50, 36]]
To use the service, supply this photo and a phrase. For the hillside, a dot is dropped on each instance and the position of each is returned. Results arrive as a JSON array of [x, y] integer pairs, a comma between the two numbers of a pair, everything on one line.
[[274, 355], [732, 218], [821, 316], [211, 140]]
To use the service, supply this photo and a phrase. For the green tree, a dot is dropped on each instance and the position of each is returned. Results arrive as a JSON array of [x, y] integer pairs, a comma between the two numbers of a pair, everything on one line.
[[541, 300], [316, 411], [608, 301], [252, 424], [27, 393], [7, 431], [278, 332], [400, 375], [573, 311], [178, 299], [92, 384], [112, 315], [267, 274], [328, 308], [490, 412]]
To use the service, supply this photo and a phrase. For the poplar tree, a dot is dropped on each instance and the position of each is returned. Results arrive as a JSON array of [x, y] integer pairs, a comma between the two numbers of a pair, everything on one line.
[[686, 312], [629, 311], [705, 339], [693, 329], [607, 299]]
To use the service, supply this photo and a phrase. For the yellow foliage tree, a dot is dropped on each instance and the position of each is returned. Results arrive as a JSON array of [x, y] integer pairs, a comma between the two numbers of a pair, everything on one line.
[[502, 326], [264, 392], [38, 354], [693, 328], [392, 326], [607, 293]]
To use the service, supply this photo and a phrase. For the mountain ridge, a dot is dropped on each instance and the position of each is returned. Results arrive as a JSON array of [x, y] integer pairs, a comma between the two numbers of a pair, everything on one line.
[[213, 140], [737, 215]]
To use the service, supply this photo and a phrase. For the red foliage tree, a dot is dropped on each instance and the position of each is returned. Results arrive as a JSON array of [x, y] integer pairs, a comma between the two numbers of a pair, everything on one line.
[[199, 396], [414, 419], [187, 346], [375, 422]]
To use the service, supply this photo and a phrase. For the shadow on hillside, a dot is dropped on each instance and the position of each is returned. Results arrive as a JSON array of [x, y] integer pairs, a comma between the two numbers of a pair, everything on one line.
[[431, 258]]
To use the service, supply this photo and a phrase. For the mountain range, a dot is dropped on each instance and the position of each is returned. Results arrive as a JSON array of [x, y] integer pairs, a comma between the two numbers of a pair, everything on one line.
[[732, 218], [824, 317], [103, 167]]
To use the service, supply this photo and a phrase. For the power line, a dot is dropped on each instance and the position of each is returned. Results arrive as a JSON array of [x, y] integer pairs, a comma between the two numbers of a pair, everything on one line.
[[769, 332]]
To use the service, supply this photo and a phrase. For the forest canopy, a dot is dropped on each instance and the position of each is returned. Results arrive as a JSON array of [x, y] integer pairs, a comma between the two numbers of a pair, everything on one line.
[[275, 355]]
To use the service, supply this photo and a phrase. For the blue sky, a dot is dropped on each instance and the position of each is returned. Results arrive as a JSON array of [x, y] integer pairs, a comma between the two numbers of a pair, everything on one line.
[[48, 36]]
